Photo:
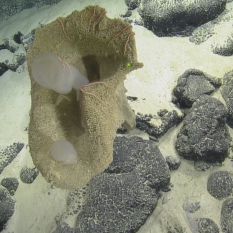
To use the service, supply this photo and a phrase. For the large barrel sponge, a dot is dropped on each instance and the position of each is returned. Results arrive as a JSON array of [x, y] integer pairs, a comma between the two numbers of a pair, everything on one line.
[[104, 50]]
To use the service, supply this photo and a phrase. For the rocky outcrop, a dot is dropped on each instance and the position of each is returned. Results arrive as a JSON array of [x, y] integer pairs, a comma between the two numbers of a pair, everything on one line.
[[167, 17], [10, 8], [192, 84], [220, 184], [227, 95], [167, 118], [204, 134], [123, 196]]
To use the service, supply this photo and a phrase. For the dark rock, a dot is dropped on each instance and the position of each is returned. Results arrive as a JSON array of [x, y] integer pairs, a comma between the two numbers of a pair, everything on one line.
[[168, 119], [192, 84], [162, 112], [139, 22], [222, 43], [11, 45], [2, 46], [132, 98], [224, 49], [76, 202], [28, 175], [64, 228], [127, 14], [153, 139], [17, 37], [123, 162], [227, 216], [201, 165], [206, 225], [121, 130], [165, 17], [8, 154], [28, 39], [202, 33], [122, 197], [204, 134], [132, 4], [18, 59], [207, 30], [165, 189], [220, 184], [227, 95], [140, 155], [191, 207], [75, 199], [173, 163], [174, 228], [7, 207], [11, 184], [132, 20], [3, 68], [123, 204], [10, 8], [18, 51]]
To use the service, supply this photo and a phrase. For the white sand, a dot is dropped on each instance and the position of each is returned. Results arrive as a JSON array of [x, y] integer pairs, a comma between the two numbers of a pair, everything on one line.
[[165, 59]]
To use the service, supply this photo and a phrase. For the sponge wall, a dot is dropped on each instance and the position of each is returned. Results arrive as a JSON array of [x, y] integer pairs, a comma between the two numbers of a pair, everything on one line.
[[103, 50]]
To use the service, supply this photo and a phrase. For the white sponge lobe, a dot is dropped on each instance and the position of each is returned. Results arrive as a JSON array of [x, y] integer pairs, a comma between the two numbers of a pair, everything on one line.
[[51, 72], [63, 151]]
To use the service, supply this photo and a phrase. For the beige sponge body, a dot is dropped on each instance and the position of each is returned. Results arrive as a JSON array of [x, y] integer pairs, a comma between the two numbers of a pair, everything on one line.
[[104, 51]]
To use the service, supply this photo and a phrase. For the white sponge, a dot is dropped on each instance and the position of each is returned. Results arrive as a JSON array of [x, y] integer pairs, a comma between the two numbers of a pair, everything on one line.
[[51, 72], [63, 151]]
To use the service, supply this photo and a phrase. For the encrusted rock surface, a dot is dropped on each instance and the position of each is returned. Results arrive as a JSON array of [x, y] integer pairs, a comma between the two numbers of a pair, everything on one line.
[[166, 17], [220, 29], [28, 175], [127, 192], [204, 134], [10, 8], [206, 225], [167, 118], [7, 207], [11, 184], [192, 84], [8, 154], [227, 216], [227, 95], [220, 184]]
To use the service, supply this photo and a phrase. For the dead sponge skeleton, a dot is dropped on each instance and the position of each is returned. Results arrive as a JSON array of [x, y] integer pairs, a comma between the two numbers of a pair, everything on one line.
[[104, 51]]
